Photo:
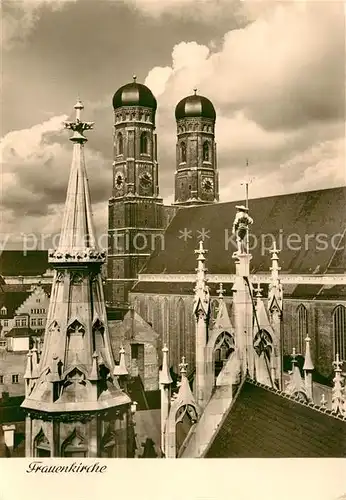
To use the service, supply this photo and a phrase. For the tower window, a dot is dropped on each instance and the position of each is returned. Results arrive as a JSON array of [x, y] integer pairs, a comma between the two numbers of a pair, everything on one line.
[[339, 331], [183, 152], [144, 143], [206, 155], [302, 329], [120, 144]]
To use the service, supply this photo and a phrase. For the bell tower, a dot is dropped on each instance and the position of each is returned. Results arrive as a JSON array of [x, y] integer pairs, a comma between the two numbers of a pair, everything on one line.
[[135, 208], [196, 176]]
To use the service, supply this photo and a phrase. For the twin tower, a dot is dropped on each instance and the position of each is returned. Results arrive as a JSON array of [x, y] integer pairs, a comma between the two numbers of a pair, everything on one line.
[[136, 211]]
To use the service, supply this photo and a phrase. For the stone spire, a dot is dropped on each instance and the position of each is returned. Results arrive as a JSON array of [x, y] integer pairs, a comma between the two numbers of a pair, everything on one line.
[[275, 295], [337, 392], [75, 373], [308, 368], [201, 310], [295, 385]]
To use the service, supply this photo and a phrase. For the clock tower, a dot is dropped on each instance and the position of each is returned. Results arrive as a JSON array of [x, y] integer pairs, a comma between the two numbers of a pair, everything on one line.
[[135, 222], [196, 176]]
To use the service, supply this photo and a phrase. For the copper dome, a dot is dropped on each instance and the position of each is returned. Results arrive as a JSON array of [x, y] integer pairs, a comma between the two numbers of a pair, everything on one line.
[[195, 106], [134, 94]]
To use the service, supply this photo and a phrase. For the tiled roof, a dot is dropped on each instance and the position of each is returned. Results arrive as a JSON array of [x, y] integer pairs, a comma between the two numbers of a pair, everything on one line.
[[22, 331], [304, 214], [265, 423], [19, 263], [12, 300]]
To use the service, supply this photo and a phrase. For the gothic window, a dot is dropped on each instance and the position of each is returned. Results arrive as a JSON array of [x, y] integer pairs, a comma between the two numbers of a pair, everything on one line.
[[165, 321], [224, 346], [74, 446], [339, 331], [108, 443], [186, 417], [263, 343], [120, 144], [144, 143], [182, 152], [181, 329], [41, 445], [3, 310], [206, 153], [302, 328], [98, 334]]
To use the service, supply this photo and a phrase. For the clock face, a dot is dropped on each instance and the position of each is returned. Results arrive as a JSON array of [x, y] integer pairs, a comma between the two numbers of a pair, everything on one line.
[[119, 180], [145, 180], [208, 184]]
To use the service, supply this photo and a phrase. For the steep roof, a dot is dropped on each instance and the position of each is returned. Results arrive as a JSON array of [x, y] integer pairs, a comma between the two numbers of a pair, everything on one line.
[[12, 300], [306, 215], [264, 423], [19, 263]]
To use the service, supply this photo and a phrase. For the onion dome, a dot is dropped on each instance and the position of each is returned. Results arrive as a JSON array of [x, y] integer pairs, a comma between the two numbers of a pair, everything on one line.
[[134, 94], [195, 106]]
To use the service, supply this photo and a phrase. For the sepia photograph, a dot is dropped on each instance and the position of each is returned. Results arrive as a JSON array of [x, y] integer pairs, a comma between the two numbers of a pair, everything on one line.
[[172, 243]]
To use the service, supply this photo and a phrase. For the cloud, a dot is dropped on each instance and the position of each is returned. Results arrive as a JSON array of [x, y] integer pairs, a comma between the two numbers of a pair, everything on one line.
[[36, 165], [19, 18], [278, 88]]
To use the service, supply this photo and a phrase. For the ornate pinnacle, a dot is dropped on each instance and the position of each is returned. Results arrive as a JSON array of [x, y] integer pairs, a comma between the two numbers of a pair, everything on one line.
[[195, 91], [323, 402], [308, 364], [221, 291], [183, 366], [337, 363], [134, 78], [258, 290], [78, 126]]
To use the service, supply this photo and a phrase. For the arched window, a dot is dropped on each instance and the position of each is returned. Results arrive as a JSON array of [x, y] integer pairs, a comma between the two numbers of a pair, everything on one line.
[[224, 346], [120, 144], [41, 445], [144, 143], [302, 328], [339, 331], [74, 446], [206, 155], [182, 152], [181, 328]]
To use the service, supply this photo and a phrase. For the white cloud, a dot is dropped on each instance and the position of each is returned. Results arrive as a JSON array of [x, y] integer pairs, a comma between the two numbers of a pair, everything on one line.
[[36, 165], [278, 88]]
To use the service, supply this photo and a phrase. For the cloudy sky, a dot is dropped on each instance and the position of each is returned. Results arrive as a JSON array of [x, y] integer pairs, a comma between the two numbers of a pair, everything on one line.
[[274, 71]]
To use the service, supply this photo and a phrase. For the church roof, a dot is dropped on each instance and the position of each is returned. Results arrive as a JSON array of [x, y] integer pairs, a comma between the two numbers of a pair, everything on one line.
[[266, 423], [20, 263], [303, 225]]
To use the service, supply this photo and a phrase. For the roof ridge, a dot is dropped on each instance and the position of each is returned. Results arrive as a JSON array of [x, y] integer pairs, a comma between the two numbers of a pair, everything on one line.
[[313, 406]]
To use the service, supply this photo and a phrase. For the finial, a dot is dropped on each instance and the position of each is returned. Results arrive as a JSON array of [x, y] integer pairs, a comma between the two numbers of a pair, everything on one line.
[[134, 78], [78, 127], [323, 402], [122, 370], [200, 251], [221, 291], [308, 364], [337, 363], [195, 91], [165, 376], [94, 374], [258, 289], [183, 366]]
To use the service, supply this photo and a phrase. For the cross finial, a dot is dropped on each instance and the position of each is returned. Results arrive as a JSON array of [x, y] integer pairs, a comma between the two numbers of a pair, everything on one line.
[[195, 90], [337, 363], [221, 291], [258, 289], [134, 78], [183, 366]]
